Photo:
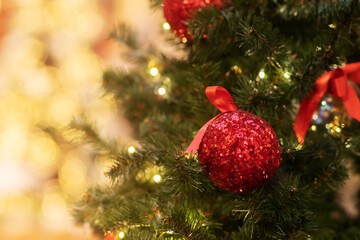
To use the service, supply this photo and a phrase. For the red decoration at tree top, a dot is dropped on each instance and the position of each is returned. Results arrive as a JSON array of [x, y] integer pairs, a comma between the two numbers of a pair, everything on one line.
[[176, 12], [239, 150], [336, 82]]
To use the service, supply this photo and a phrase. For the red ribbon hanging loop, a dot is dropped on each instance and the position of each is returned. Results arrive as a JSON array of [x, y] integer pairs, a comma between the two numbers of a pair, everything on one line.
[[223, 101], [336, 82]]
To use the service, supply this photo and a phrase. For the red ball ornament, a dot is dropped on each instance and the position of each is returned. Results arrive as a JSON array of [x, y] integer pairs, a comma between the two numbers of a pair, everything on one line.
[[240, 151], [109, 236], [176, 12]]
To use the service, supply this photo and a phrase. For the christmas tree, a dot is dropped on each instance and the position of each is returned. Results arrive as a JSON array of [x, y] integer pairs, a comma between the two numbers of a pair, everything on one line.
[[268, 165]]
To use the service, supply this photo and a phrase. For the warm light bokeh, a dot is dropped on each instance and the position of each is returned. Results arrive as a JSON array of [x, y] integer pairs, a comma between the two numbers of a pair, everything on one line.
[[52, 56]]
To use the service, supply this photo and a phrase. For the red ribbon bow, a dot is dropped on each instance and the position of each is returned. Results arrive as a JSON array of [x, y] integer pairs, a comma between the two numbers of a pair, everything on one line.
[[338, 86], [223, 101]]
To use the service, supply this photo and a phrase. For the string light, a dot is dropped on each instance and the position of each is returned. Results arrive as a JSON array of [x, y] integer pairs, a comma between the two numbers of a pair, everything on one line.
[[166, 26], [323, 102], [287, 75], [337, 129], [154, 71], [161, 91], [131, 149], [184, 40], [167, 80], [236, 69], [121, 235], [313, 128], [157, 178], [261, 74], [348, 145], [315, 117], [299, 147]]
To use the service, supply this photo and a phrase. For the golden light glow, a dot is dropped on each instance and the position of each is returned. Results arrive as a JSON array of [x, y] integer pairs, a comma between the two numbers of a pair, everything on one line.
[[49, 72], [337, 129], [184, 40], [287, 75], [166, 26], [157, 178], [53, 206], [121, 235], [20, 205], [42, 153], [154, 71], [2, 205], [61, 109], [72, 176], [131, 149], [161, 91], [22, 23], [261, 74], [236, 69], [313, 128]]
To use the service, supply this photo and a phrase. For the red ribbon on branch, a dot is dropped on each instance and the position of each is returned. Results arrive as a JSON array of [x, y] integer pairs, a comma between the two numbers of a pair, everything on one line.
[[336, 82], [223, 101]]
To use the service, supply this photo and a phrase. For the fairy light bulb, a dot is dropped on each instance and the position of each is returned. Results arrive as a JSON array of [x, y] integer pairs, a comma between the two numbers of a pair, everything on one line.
[[121, 235], [157, 178], [166, 26], [131, 149], [287, 75], [261, 74], [162, 91], [154, 71]]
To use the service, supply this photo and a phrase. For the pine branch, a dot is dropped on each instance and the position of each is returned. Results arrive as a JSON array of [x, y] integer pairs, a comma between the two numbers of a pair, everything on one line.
[[184, 224], [90, 135], [260, 37], [156, 3], [125, 34]]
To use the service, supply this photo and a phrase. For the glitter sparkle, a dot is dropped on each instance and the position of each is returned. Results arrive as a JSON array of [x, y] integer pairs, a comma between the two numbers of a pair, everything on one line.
[[240, 151]]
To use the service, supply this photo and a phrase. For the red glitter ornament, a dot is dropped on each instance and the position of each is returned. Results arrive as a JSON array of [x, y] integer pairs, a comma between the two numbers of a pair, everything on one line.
[[240, 151], [109, 236], [176, 12]]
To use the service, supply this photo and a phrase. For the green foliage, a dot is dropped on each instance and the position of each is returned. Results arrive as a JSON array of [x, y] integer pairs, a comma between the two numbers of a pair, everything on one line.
[[293, 43], [125, 34]]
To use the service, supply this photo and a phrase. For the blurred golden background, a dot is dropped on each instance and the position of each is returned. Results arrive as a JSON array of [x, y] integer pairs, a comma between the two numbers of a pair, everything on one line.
[[52, 56]]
